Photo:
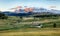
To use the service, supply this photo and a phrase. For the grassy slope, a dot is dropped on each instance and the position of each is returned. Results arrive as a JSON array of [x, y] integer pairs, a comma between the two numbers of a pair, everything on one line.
[[28, 31], [11, 22]]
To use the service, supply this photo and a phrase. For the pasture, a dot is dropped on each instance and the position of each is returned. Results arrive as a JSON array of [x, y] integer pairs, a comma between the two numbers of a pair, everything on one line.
[[14, 26]]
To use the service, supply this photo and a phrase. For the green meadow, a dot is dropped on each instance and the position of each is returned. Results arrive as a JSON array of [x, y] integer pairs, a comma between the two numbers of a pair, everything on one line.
[[15, 26]]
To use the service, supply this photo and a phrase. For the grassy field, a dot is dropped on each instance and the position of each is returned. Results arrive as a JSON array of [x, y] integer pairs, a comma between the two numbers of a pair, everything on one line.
[[13, 26], [32, 32], [15, 22]]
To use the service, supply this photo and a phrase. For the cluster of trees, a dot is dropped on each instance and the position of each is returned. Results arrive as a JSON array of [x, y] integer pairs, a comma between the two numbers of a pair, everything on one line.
[[3, 16], [42, 16]]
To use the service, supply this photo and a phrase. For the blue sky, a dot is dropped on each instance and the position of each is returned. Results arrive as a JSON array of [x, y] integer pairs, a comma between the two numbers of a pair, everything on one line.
[[7, 4]]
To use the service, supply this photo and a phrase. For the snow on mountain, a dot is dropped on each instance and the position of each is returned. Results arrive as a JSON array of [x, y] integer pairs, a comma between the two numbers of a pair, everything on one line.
[[37, 10]]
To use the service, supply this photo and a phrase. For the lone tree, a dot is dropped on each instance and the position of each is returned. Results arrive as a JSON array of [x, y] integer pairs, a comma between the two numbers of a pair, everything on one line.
[[54, 25]]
